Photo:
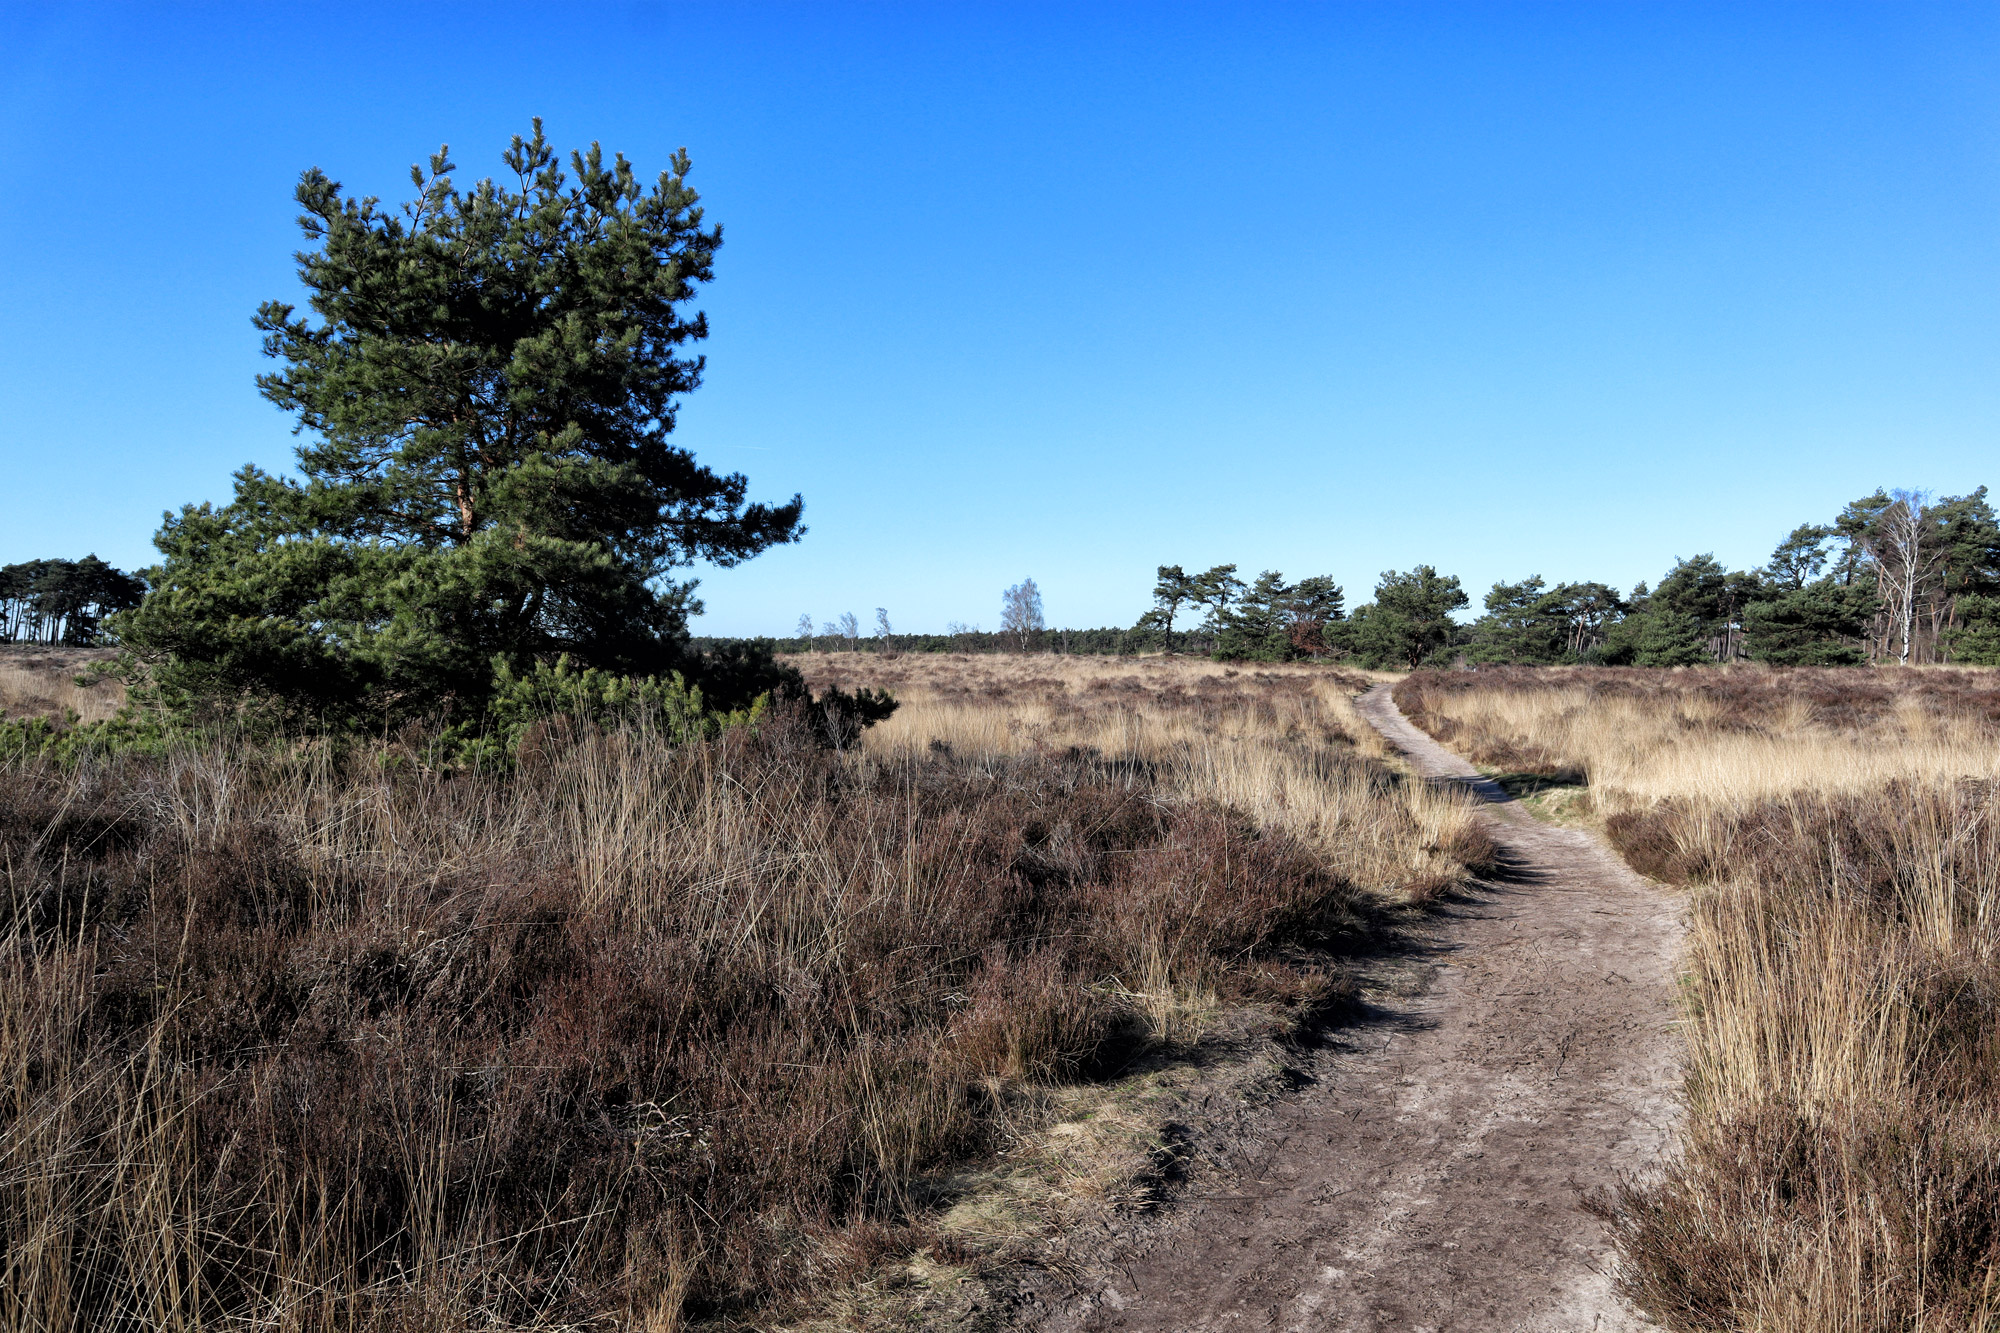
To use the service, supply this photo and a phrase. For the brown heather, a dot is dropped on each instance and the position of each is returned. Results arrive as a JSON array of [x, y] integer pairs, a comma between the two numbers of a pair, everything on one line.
[[637, 1034], [41, 680], [1840, 834]]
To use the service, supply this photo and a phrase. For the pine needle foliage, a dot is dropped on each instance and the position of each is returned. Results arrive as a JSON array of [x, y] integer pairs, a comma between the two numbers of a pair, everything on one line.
[[487, 380]]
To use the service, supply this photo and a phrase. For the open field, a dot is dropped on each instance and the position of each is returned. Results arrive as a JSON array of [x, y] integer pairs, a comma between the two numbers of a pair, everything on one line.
[[1281, 743], [297, 1038], [1837, 831], [42, 681]]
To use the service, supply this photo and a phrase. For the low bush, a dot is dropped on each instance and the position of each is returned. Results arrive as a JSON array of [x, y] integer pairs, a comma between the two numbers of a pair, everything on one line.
[[1842, 1162], [648, 1026], [1838, 835]]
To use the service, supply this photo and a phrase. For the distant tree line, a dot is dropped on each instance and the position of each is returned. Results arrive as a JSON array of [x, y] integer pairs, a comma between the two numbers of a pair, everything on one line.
[[62, 601], [1023, 629], [963, 639], [1896, 576]]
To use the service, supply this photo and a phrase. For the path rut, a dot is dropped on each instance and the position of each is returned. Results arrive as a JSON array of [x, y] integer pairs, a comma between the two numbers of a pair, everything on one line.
[[1431, 1178]]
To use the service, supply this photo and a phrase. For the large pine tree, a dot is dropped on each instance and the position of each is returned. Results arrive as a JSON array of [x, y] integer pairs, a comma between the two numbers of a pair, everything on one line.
[[487, 382]]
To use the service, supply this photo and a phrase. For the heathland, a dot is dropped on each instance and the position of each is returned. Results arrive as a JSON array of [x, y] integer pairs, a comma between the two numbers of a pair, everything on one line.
[[1835, 832], [321, 1034], [421, 930]]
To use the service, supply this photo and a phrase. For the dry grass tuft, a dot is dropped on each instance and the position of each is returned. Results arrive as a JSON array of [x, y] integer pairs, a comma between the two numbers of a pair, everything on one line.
[[37, 681], [1283, 744], [1840, 830], [637, 1035]]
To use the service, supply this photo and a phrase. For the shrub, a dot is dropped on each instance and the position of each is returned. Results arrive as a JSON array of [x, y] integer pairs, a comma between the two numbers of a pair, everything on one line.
[[637, 1027]]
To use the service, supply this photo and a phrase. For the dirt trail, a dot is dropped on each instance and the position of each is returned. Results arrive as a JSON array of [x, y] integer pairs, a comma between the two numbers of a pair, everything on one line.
[[1431, 1177]]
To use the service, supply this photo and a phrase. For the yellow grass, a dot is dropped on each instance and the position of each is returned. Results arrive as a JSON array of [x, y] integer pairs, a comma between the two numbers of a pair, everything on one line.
[[44, 684], [1636, 751], [1282, 743], [1844, 944]]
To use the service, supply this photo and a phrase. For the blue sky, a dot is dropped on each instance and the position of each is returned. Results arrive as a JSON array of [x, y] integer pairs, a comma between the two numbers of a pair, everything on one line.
[[1070, 291]]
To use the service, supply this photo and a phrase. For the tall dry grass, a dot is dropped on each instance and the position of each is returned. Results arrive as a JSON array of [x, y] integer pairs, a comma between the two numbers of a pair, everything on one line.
[[1840, 833], [1721, 737], [634, 1036], [1282, 743], [40, 681]]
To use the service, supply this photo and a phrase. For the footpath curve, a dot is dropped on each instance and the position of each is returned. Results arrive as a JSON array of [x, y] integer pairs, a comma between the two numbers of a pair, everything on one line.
[[1431, 1177]]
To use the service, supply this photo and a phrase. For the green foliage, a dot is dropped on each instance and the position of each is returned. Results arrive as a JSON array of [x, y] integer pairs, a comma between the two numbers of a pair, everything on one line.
[[1214, 590], [1799, 558], [62, 601], [671, 707], [665, 705], [1275, 621], [1976, 641], [488, 382], [1531, 623], [1692, 617], [1666, 637], [24, 738], [1698, 590], [1173, 588], [1856, 524], [1968, 536], [1408, 622], [1799, 617], [1818, 624], [136, 730]]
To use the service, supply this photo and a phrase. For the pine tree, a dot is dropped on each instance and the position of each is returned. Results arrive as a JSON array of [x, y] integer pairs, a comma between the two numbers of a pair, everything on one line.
[[63, 601], [1823, 623], [1524, 622], [1409, 621], [487, 382], [1172, 589], [1266, 622]]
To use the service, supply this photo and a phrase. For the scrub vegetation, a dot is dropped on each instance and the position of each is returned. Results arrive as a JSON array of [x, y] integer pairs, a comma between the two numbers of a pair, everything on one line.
[[1836, 833], [423, 931], [641, 1026], [57, 684]]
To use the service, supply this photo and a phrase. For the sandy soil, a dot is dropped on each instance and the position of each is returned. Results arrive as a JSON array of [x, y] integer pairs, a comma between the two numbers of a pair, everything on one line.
[[1430, 1174]]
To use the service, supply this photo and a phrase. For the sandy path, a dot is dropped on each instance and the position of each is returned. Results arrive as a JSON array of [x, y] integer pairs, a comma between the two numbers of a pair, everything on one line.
[[1430, 1178]]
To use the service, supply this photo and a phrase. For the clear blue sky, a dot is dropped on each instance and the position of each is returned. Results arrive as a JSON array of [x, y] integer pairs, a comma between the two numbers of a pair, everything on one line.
[[1074, 290]]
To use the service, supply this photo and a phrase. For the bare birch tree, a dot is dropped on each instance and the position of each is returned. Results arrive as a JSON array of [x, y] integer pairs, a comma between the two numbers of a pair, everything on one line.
[[1021, 612], [1906, 561]]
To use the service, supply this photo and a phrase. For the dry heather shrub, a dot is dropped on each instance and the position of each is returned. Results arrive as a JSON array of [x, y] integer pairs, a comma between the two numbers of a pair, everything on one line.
[[1842, 1165], [1714, 735], [1840, 1161], [1281, 743], [638, 1033], [37, 681]]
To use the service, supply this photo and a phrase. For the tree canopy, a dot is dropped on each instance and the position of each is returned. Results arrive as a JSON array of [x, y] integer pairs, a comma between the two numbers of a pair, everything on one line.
[[1276, 621], [1897, 575], [1409, 620], [1212, 590], [62, 601], [487, 381]]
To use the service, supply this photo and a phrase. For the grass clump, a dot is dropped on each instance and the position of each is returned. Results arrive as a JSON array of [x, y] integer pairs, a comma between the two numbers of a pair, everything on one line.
[[639, 1029], [1839, 836]]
